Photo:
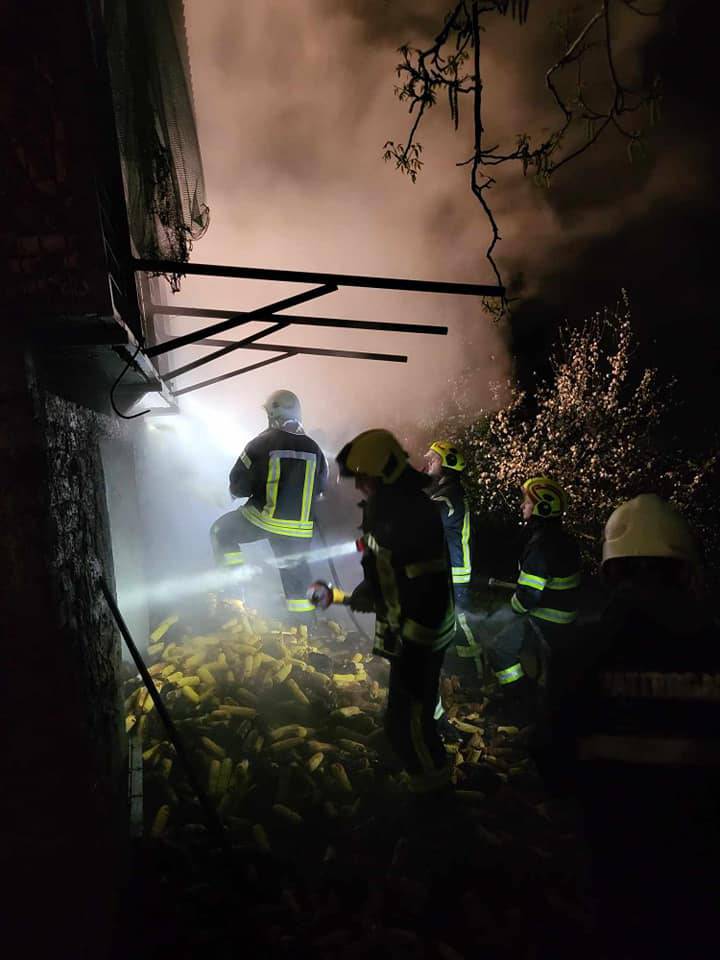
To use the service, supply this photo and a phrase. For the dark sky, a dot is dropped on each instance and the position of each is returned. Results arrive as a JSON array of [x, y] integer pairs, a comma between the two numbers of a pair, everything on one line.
[[294, 103]]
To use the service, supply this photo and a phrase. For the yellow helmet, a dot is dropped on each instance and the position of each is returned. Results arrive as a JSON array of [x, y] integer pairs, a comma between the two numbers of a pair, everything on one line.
[[374, 453], [648, 526], [449, 454], [547, 496]]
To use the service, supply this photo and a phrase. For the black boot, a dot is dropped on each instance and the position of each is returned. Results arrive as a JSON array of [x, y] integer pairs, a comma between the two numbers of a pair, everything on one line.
[[518, 704]]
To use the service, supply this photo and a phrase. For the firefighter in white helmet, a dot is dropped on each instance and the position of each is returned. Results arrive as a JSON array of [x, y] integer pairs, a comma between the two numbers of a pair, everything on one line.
[[637, 738], [281, 472]]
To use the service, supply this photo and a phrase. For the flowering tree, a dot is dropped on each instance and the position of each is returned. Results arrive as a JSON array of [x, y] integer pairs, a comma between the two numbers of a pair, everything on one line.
[[596, 427]]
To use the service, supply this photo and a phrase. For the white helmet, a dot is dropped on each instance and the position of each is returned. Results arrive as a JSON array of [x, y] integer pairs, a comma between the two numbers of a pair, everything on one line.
[[282, 406], [648, 526]]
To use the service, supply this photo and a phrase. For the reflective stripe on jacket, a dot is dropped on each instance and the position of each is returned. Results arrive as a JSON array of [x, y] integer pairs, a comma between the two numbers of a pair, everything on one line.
[[281, 473], [549, 574], [448, 494]]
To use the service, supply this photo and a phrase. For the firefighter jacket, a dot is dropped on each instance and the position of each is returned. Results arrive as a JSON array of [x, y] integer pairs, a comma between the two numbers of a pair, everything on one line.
[[646, 695], [281, 472], [449, 495], [407, 569], [549, 574]]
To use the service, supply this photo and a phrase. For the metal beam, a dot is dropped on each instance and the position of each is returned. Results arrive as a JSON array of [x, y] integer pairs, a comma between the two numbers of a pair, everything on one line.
[[300, 276], [237, 319], [310, 351], [227, 376], [235, 345], [305, 321]]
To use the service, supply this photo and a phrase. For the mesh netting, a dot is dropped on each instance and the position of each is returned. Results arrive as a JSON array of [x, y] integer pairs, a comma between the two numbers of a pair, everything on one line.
[[152, 92]]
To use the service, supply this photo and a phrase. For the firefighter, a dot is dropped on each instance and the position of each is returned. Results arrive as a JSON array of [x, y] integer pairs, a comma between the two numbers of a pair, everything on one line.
[[637, 738], [445, 464], [544, 600], [281, 472], [408, 585]]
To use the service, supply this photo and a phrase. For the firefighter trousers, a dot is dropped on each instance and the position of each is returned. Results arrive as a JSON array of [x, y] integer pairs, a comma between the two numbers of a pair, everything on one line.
[[409, 723], [232, 530]]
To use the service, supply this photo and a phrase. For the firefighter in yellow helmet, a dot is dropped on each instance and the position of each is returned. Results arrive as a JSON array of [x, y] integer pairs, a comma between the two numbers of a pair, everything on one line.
[[281, 473], [445, 463], [544, 601], [636, 738], [408, 584]]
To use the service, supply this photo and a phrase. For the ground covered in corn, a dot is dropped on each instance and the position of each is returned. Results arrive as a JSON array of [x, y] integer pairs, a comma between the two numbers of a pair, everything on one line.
[[327, 854]]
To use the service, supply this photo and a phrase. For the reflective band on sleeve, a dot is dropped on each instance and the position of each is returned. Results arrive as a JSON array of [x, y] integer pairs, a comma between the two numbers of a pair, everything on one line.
[[233, 558], [516, 605], [563, 583], [245, 459], [531, 580], [510, 674], [438, 565], [651, 750], [468, 650], [299, 606], [461, 575], [554, 616]]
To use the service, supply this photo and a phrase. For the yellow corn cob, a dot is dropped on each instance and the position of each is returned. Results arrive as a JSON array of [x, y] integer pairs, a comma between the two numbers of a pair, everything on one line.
[[142, 696], [226, 769], [240, 693], [340, 774], [346, 734], [351, 746], [166, 766], [474, 756], [357, 658], [344, 678], [190, 694], [256, 743], [314, 761], [260, 837], [232, 711], [229, 624], [156, 668], [347, 712], [212, 747], [465, 727], [296, 691], [161, 820], [284, 672], [303, 631], [336, 628], [230, 677], [152, 752], [243, 649], [290, 730], [249, 665], [175, 677], [169, 670], [206, 676], [288, 744], [162, 628], [510, 731], [213, 776], [189, 681], [287, 813], [154, 648], [173, 651], [208, 694], [130, 722], [317, 746], [195, 660]]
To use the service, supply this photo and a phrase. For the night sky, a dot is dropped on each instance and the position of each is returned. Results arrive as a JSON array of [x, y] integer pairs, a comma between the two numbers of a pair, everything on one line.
[[294, 103]]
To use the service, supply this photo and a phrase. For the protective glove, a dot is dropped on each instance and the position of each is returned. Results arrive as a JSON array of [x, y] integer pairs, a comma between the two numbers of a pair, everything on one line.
[[362, 599]]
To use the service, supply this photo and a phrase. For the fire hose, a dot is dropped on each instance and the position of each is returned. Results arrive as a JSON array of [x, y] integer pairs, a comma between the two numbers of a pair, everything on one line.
[[494, 583]]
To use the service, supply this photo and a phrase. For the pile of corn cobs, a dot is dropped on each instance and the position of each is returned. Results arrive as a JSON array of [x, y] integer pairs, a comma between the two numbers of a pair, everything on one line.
[[285, 726]]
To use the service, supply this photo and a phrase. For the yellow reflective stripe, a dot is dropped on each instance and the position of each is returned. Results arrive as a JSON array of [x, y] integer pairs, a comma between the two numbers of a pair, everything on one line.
[[233, 558], [308, 488], [285, 528], [531, 580], [461, 575], [516, 605], [554, 616], [412, 570], [650, 750], [418, 740], [388, 581], [564, 583], [299, 606], [271, 486], [465, 538], [510, 674], [429, 636], [245, 459]]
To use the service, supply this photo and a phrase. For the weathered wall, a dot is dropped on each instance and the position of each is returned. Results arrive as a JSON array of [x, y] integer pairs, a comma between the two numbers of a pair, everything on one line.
[[63, 793]]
